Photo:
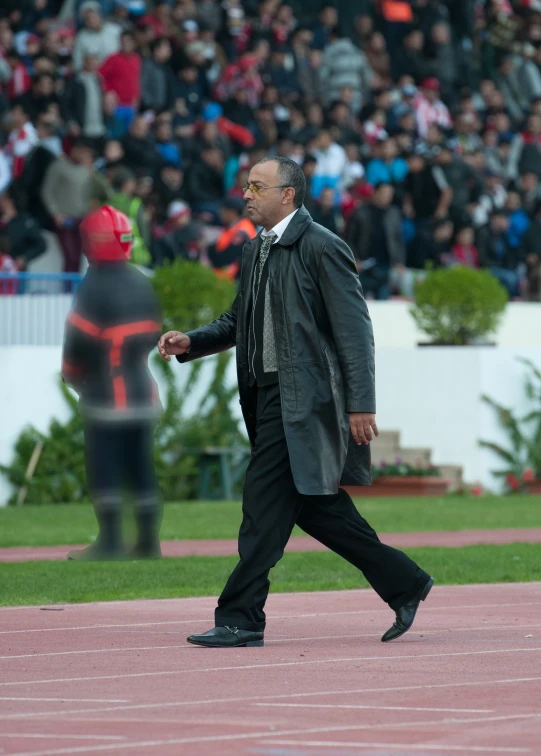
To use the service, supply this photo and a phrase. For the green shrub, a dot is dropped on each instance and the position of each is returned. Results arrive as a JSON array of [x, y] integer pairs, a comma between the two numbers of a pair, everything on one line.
[[458, 305]]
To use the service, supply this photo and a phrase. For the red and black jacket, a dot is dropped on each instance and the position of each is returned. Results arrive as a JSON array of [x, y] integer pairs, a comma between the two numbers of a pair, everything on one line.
[[114, 324]]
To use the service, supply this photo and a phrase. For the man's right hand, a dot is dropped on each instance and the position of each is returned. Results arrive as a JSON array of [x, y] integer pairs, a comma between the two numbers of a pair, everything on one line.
[[173, 343]]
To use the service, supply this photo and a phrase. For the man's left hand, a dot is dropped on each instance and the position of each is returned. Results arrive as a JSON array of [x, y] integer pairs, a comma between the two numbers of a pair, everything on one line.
[[363, 427]]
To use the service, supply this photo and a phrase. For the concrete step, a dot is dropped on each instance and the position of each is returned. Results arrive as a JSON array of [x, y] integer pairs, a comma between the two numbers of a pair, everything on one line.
[[420, 457], [389, 439], [386, 448], [453, 473]]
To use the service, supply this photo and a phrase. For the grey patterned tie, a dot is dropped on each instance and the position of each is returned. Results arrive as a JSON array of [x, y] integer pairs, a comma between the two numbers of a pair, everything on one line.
[[266, 244]]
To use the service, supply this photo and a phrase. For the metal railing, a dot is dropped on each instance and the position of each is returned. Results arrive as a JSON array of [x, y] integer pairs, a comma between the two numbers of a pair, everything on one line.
[[33, 307], [38, 283]]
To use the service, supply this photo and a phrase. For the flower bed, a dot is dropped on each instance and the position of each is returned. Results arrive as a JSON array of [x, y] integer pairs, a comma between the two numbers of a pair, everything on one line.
[[402, 479]]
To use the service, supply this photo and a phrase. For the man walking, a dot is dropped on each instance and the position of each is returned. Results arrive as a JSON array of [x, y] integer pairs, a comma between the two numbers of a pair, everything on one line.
[[305, 364]]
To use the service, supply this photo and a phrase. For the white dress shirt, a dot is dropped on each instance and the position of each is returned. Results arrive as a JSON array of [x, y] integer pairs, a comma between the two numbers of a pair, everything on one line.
[[280, 228]]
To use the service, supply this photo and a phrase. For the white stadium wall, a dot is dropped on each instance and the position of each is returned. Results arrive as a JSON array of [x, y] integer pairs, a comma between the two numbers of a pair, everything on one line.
[[431, 394]]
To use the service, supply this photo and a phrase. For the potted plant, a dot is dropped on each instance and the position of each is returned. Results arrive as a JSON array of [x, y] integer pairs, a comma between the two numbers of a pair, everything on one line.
[[399, 478], [522, 456], [458, 306]]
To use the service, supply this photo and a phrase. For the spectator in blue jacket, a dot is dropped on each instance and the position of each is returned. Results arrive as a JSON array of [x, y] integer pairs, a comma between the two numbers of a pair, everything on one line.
[[387, 168]]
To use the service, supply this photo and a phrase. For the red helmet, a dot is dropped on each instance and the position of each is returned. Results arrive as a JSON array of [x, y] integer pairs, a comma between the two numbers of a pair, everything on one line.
[[106, 235]]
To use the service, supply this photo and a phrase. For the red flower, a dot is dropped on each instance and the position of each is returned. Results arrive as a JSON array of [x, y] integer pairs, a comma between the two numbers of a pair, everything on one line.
[[528, 475], [476, 490], [512, 480]]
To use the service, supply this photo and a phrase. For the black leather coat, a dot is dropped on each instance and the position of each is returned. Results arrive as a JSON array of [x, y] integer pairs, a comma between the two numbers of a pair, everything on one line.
[[324, 346]]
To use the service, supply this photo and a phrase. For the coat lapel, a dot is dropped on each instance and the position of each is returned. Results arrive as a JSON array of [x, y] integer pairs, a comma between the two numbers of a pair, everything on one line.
[[250, 255]]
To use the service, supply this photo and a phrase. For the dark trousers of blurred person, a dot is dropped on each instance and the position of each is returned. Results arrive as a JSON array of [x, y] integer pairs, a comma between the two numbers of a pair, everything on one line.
[[533, 280], [376, 282], [70, 241], [509, 279], [120, 460]]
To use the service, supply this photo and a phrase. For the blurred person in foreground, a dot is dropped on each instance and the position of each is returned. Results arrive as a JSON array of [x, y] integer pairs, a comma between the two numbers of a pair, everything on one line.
[[111, 329], [305, 364]]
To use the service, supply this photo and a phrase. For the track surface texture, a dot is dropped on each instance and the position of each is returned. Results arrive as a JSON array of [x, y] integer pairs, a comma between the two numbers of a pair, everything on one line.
[[119, 678], [228, 546]]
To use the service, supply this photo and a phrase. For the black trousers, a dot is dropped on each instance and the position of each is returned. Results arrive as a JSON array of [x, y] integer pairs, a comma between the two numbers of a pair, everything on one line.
[[272, 506], [120, 458]]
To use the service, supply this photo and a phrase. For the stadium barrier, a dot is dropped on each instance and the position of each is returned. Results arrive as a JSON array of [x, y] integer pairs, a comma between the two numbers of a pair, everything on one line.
[[33, 307]]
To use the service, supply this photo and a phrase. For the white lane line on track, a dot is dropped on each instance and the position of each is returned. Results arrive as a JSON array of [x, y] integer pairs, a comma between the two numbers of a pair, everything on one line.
[[270, 640], [61, 737], [271, 665], [407, 747], [66, 700], [239, 699], [355, 691], [258, 735], [377, 707], [385, 610]]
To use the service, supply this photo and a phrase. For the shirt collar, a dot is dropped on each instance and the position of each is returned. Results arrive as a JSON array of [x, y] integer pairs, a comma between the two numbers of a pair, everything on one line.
[[280, 228]]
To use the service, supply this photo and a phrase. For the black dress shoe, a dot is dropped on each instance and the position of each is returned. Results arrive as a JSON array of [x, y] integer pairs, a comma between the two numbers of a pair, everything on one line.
[[227, 637], [406, 614]]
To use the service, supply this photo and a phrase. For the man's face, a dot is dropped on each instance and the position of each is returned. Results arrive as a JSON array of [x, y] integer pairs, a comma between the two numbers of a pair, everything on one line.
[[445, 157], [324, 140], [172, 177], [92, 20], [440, 34], [499, 224], [214, 158], [431, 94], [127, 44], [139, 128], [534, 124], [529, 182], [384, 196], [415, 41], [329, 17], [45, 86], [416, 163], [407, 122], [163, 52], [189, 74], [264, 207], [513, 201], [228, 216], [18, 117], [388, 149], [327, 199], [309, 168], [444, 232], [81, 155], [340, 115]]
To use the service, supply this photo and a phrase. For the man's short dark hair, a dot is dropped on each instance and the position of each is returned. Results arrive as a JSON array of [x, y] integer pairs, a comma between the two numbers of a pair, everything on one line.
[[290, 175]]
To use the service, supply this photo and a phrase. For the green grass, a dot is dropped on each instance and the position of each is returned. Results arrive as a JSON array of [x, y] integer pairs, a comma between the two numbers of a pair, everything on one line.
[[45, 583], [72, 524]]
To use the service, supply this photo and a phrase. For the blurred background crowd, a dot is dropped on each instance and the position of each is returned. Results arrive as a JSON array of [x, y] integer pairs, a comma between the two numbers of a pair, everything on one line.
[[417, 124]]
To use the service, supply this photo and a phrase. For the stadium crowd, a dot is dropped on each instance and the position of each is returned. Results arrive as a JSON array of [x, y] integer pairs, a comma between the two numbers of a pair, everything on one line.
[[417, 124]]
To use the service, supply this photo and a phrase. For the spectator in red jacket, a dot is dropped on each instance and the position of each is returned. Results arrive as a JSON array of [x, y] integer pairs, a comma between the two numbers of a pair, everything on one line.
[[122, 75], [20, 81], [21, 140], [464, 252]]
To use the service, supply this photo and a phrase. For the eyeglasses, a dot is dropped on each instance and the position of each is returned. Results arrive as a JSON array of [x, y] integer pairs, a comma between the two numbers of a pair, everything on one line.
[[257, 189]]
